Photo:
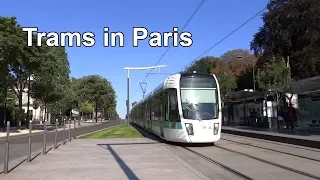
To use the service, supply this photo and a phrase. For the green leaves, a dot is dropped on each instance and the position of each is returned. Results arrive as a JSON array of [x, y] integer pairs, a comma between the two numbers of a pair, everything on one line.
[[291, 28], [49, 69], [273, 73], [98, 90], [86, 107]]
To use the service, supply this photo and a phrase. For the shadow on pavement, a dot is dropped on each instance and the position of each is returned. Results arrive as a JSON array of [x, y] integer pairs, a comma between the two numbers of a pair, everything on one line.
[[129, 173]]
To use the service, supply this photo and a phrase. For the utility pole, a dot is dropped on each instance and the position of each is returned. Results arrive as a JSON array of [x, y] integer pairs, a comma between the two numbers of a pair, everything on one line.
[[128, 84], [254, 78], [28, 104]]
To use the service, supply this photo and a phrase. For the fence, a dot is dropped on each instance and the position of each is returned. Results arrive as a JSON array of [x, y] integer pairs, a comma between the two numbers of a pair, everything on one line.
[[45, 131]]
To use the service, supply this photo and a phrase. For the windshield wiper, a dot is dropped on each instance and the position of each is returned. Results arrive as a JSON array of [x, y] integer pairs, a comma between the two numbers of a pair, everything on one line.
[[195, 113]]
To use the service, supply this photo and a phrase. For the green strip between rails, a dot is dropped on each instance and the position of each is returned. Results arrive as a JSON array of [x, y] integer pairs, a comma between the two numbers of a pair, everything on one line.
[[118, 131]]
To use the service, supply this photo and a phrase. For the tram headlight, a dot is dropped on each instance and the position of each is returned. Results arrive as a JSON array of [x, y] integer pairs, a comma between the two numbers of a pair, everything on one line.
[[215, 128], [189, 128]]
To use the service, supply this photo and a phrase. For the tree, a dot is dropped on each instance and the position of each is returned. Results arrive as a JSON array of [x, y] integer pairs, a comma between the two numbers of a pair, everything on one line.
[[17, 58], [291, 28], [86, 107], [273, 73], [245, 80], [239, 60], [213, 65], [97, 89], [203, 65], [51, 79], [227, 82]]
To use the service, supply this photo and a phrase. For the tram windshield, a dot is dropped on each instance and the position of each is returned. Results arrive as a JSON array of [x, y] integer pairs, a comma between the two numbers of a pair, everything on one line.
[[199, 96], [199, 103]]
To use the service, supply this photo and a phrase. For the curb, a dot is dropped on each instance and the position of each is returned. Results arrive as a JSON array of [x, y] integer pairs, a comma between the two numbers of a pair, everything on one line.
[[282, 139], [41, 132]]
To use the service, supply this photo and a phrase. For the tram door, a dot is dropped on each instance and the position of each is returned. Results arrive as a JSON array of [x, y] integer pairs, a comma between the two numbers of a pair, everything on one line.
[[146, 115], [164, 111]]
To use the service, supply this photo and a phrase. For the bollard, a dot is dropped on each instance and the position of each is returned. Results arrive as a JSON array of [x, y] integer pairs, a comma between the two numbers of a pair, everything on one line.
[[6, 153], [64, 128], [75, 129], [56, 135], [69, 129], [44, 137], [29, 145]]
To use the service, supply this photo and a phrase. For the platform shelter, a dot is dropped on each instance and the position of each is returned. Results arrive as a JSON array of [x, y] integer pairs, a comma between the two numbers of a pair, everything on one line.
[[248, 108], [307, 102]]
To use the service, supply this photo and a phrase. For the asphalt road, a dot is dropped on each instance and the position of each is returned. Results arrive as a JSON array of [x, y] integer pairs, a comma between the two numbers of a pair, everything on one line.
[[19, 144]]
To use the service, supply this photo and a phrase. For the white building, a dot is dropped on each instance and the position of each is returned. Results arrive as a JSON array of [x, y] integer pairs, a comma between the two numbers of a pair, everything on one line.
[[36, 113]]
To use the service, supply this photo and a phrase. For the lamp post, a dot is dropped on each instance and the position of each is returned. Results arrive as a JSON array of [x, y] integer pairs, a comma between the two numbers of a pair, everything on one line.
[[128, 80]]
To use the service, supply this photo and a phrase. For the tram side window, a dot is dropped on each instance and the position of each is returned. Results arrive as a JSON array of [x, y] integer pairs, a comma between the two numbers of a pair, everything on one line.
[[166, 106], [147, 111], [161, 107], [143, 111], [141, 116], [156, 107], [173, 106]]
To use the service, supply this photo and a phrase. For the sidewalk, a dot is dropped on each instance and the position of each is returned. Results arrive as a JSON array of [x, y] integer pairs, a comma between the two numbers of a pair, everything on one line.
[[298, 136], [136, 158], [50, 127]]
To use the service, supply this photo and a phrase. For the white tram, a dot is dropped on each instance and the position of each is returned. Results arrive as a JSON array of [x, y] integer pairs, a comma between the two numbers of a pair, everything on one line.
[[184, 108]]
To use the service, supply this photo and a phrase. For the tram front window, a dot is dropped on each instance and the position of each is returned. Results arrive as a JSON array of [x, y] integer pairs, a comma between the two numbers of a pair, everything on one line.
[[199, 104]]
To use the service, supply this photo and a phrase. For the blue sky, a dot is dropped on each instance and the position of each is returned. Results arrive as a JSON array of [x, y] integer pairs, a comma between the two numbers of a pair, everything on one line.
[[213, 21]]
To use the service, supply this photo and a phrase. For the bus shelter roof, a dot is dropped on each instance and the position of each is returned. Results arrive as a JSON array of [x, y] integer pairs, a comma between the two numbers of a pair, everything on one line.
[[243, 95], [304, 86]]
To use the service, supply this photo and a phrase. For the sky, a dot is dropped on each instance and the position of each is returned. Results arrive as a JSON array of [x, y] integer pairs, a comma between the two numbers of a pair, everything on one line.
[[213, 21]]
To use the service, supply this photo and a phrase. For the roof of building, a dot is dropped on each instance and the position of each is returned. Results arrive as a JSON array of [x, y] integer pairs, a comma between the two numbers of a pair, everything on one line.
[[304, 86], [243, 95]]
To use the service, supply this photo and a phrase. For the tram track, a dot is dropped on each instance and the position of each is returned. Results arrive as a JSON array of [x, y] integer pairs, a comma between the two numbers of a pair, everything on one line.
[[270, 163], [237, 173], [173, 145], [275, 143], [291, 154]]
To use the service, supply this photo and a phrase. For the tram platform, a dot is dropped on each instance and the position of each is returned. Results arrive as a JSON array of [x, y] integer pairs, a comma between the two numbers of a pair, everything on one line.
[[299, 136]]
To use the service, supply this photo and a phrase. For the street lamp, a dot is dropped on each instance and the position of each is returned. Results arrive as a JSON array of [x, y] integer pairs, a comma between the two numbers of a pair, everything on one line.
[[128, 79]]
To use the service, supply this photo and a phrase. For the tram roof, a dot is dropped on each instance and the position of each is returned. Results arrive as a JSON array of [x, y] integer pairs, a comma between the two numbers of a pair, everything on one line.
[[243, 95], [161, 85], [304, 86]]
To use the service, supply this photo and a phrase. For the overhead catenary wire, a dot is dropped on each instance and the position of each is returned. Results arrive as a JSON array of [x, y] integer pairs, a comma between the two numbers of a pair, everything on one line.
[[224, 38], [185, 25]]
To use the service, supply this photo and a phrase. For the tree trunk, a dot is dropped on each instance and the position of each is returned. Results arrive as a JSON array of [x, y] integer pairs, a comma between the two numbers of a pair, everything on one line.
[[21, 112]]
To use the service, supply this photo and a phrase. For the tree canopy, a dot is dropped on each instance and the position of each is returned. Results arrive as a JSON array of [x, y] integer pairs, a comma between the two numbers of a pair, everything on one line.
[[49, 71], [231, 69], [273, 73], [291, 28]]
